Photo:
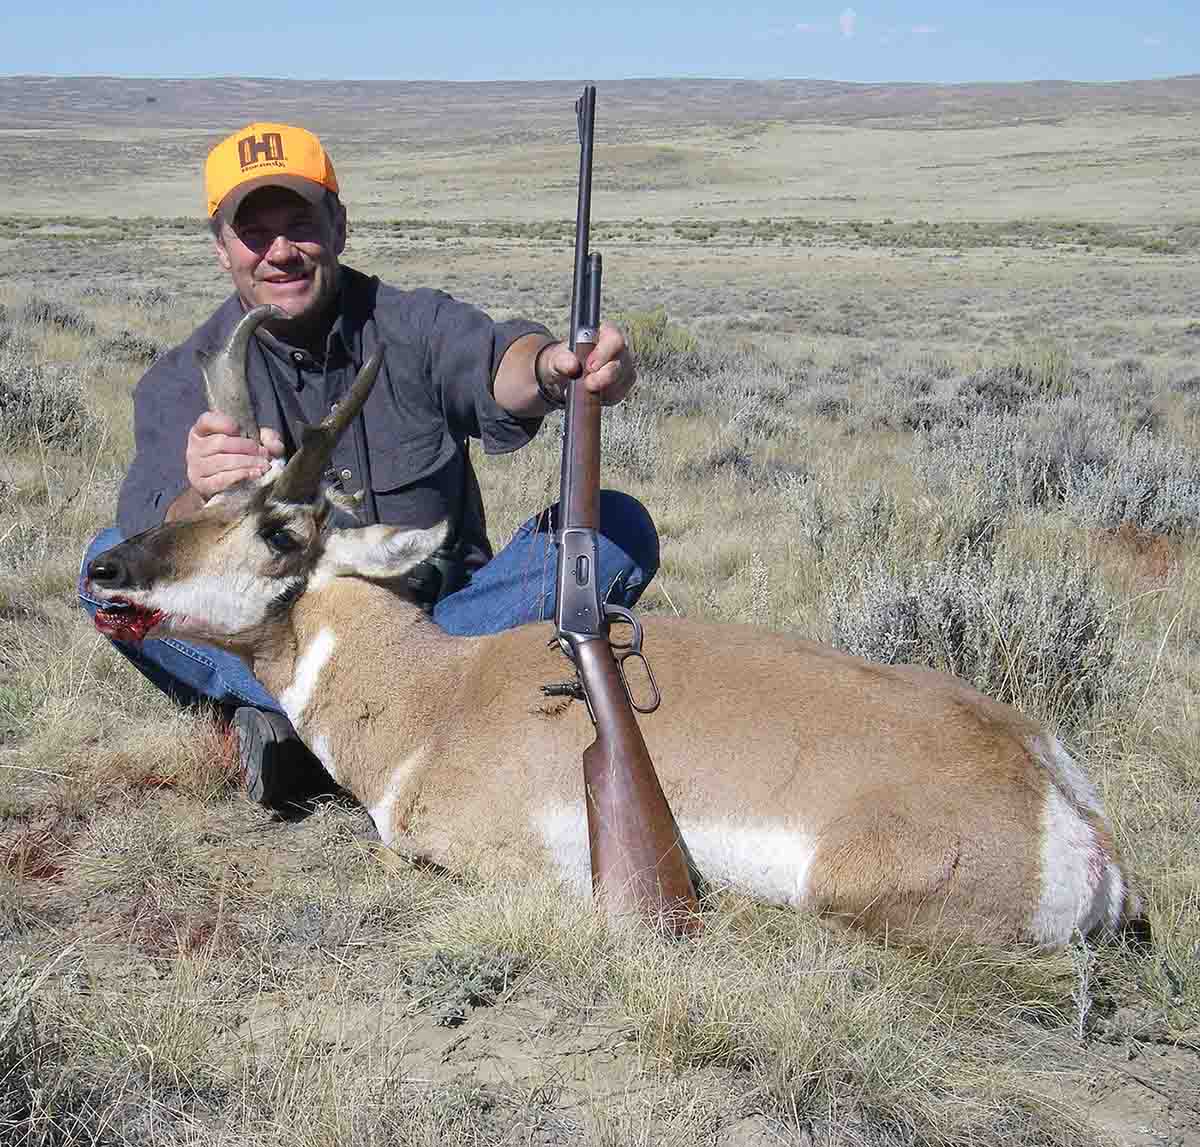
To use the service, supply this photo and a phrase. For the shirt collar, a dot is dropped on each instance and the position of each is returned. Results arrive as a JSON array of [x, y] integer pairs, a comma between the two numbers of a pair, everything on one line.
[[353, 311], [345, 336]]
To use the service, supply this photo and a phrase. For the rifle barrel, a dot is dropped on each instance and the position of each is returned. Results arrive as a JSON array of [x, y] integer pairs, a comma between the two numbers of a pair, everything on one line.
[[579, 503], [585, 116]]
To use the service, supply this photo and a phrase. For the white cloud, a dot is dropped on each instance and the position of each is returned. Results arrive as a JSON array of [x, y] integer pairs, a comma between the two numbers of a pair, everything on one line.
[[847, 22], [925, 29], [1152, 41]]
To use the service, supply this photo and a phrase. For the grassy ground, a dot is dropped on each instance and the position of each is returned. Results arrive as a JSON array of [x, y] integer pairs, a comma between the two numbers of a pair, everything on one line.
[[971, 442]]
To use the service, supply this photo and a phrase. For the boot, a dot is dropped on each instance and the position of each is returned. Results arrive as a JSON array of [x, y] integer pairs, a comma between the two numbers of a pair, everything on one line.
[[279, 771]]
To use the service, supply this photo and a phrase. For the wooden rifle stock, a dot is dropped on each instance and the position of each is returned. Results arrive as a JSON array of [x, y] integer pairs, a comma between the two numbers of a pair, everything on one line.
[[639, 863]]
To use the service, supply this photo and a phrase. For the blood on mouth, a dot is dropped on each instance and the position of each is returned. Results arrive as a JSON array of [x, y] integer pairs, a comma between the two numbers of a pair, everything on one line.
[[124, 621]]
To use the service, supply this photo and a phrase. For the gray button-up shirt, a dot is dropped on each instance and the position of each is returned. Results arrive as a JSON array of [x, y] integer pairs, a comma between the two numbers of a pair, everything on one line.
[[406, 451]]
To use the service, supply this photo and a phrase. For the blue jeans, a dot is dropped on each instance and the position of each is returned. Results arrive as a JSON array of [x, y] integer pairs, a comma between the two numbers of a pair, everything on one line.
[[515, 587]]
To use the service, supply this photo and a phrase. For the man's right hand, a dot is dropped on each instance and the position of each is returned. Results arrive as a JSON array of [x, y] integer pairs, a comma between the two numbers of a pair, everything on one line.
[[217, 457]]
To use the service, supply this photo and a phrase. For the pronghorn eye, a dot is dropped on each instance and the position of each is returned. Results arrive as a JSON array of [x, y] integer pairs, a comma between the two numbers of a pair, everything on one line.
[[281, 540]]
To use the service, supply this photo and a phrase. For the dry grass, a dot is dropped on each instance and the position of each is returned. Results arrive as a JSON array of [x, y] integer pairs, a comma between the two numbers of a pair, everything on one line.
[[840, 419]]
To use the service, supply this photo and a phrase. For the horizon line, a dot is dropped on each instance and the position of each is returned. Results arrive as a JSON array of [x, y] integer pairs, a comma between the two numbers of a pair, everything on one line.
[[191, 77]]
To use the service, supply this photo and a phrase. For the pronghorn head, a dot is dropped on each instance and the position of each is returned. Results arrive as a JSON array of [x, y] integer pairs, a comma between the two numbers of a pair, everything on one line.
[[231, 571]]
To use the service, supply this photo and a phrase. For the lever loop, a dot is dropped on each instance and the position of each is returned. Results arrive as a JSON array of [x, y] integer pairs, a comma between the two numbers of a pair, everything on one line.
[[624, 650], [624, 655]]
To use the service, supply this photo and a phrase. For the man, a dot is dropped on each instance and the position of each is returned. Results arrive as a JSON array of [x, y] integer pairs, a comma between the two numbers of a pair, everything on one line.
[[449, 374]]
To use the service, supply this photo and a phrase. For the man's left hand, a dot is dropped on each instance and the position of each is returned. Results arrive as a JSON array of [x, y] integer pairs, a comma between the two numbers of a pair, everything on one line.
[[608, 372]]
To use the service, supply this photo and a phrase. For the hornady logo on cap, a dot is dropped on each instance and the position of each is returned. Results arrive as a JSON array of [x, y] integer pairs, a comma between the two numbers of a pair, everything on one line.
[[257, 149]]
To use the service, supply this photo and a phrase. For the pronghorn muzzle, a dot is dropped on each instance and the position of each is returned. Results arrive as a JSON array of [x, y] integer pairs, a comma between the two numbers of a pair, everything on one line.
[[126, 566]]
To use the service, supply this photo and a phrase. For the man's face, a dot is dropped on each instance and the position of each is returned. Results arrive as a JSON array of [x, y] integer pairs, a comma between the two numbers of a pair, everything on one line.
[[284, 250]]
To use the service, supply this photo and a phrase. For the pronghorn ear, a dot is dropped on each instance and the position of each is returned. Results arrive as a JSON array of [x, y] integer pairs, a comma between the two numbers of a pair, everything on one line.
[[380, 552]]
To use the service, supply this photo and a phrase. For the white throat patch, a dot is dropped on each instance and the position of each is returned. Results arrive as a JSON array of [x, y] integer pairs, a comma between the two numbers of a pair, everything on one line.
[[230, 602]]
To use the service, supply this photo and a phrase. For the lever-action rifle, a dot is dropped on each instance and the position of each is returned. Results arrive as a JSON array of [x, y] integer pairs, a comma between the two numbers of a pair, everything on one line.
[[639, 865]]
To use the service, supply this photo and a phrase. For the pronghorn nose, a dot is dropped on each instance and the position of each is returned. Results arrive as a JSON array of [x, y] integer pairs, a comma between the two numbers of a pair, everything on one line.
[[109, 571], [130, 564]]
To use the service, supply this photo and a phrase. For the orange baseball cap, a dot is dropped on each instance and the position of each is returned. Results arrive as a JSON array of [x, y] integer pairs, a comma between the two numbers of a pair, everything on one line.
[[262, 155]]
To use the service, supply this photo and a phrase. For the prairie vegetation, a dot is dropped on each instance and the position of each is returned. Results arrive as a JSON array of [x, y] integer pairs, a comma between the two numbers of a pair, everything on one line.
[[969, 443]]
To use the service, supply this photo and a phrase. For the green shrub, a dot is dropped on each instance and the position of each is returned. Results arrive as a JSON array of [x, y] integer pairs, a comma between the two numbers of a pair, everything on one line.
[[1143, 481], [728, 457], [926, 396], [697, 232], [1070, 456], [660, 345], [829, 404], [1000, 389], [1127, 390], [47, 312], [1018, 461], [1049, 369], [453, 983], [1040, 638], [149, 298], [756, 415], [630, 439], [131, 347], [41, 405]]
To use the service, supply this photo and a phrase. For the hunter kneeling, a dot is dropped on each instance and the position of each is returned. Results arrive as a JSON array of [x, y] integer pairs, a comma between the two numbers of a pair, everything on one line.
[[449, 374]]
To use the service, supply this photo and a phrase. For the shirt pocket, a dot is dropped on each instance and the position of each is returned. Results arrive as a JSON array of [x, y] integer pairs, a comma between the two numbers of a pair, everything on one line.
[[406, 461], [406, 433]]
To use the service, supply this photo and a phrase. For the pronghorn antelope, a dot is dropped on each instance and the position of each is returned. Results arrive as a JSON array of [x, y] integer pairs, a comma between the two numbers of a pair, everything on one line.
[[891, 797]]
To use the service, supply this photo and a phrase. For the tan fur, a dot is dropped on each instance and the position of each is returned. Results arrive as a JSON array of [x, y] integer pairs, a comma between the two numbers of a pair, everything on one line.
[[893, 798], [922, 793]]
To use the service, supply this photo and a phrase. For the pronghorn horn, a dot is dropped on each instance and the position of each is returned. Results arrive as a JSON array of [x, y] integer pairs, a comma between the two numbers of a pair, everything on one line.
[[225, 371], [302, 475]]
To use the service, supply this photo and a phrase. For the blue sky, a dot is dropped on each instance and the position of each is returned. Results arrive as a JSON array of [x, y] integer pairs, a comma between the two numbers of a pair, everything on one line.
[[917, 40]]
